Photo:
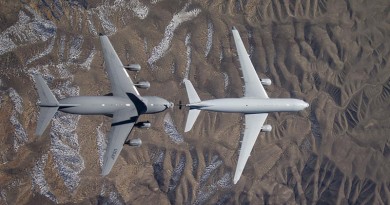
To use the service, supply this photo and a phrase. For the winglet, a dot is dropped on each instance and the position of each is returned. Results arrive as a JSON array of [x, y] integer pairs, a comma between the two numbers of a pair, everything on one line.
[[234, 28]]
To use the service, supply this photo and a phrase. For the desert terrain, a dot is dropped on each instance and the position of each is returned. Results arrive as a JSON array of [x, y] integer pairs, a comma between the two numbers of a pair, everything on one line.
[[333, 54]]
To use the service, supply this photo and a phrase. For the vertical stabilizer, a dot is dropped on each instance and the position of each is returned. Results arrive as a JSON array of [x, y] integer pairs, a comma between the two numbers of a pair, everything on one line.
[[48, 105]]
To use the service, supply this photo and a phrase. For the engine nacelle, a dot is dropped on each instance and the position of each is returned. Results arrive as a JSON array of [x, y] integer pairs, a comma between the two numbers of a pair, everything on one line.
[[145, 124], [133, 67], [143, 84], [134, 142], [266, 128], [266, 81]]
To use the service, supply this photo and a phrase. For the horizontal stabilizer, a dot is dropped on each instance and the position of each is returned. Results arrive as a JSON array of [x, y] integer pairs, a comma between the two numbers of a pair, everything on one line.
[[45, 116], [191, 118], [48, 103], [46, 97], [191, 92]]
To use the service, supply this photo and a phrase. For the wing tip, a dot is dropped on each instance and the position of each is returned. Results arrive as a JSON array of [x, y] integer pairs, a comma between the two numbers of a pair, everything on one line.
[[235, 180], [234, 28], [38, 133], [106, 169], [237, 174], [104, 172]]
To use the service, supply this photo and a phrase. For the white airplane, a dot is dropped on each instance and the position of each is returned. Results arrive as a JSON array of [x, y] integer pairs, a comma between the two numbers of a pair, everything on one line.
[[124, 105], [255, 105]]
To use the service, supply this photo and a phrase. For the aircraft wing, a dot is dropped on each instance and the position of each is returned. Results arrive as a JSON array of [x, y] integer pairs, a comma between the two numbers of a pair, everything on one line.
[[121, 126], [253, 86], [253, 124], [118, 76]]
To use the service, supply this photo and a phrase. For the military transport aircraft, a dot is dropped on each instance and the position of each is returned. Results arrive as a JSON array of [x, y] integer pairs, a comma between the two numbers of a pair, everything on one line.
[[124, 104]]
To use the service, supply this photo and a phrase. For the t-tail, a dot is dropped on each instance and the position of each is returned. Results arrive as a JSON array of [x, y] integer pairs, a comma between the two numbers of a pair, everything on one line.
[[193, 98], [48, 105]]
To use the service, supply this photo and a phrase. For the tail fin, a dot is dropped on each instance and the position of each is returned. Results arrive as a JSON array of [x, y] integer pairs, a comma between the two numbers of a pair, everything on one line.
[[193, 98], [48, 105]]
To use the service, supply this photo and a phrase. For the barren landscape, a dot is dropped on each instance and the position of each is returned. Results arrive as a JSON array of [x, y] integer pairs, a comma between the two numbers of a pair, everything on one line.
[[333, 54]]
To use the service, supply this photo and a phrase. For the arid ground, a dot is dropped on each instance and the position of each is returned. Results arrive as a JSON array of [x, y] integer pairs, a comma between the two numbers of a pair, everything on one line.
[[333, 54]]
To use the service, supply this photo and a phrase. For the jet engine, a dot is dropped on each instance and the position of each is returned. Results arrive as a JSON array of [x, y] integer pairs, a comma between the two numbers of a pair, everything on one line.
[[266, 128], [143, 84], [145, 124], [133, 67], [134, 142], [266, 81]]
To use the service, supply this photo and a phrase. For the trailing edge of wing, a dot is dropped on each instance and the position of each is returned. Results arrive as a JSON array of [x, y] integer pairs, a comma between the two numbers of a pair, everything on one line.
[[119, 78], [253, 124], [121, 126], [253, 86]]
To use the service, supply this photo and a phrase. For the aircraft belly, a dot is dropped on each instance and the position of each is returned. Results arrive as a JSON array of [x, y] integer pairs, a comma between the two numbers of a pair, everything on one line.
[[91, 109], [93, 105], [249, 106]]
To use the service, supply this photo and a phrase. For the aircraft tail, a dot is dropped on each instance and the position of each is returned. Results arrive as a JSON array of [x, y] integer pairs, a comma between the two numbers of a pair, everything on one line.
[[193, 98], [191, 118], [191, 92], [48, 105]]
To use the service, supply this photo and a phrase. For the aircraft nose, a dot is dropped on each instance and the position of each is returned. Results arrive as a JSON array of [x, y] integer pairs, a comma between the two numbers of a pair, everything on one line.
[[302, 105]]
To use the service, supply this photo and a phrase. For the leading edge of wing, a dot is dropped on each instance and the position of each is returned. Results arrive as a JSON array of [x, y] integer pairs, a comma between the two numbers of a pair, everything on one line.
[[253, 124], [253, 86], [120, 80], [121, 126]]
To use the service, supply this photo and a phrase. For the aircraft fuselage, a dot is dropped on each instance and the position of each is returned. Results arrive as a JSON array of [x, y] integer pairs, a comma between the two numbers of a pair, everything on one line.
[[106, 105], [251, 105]]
